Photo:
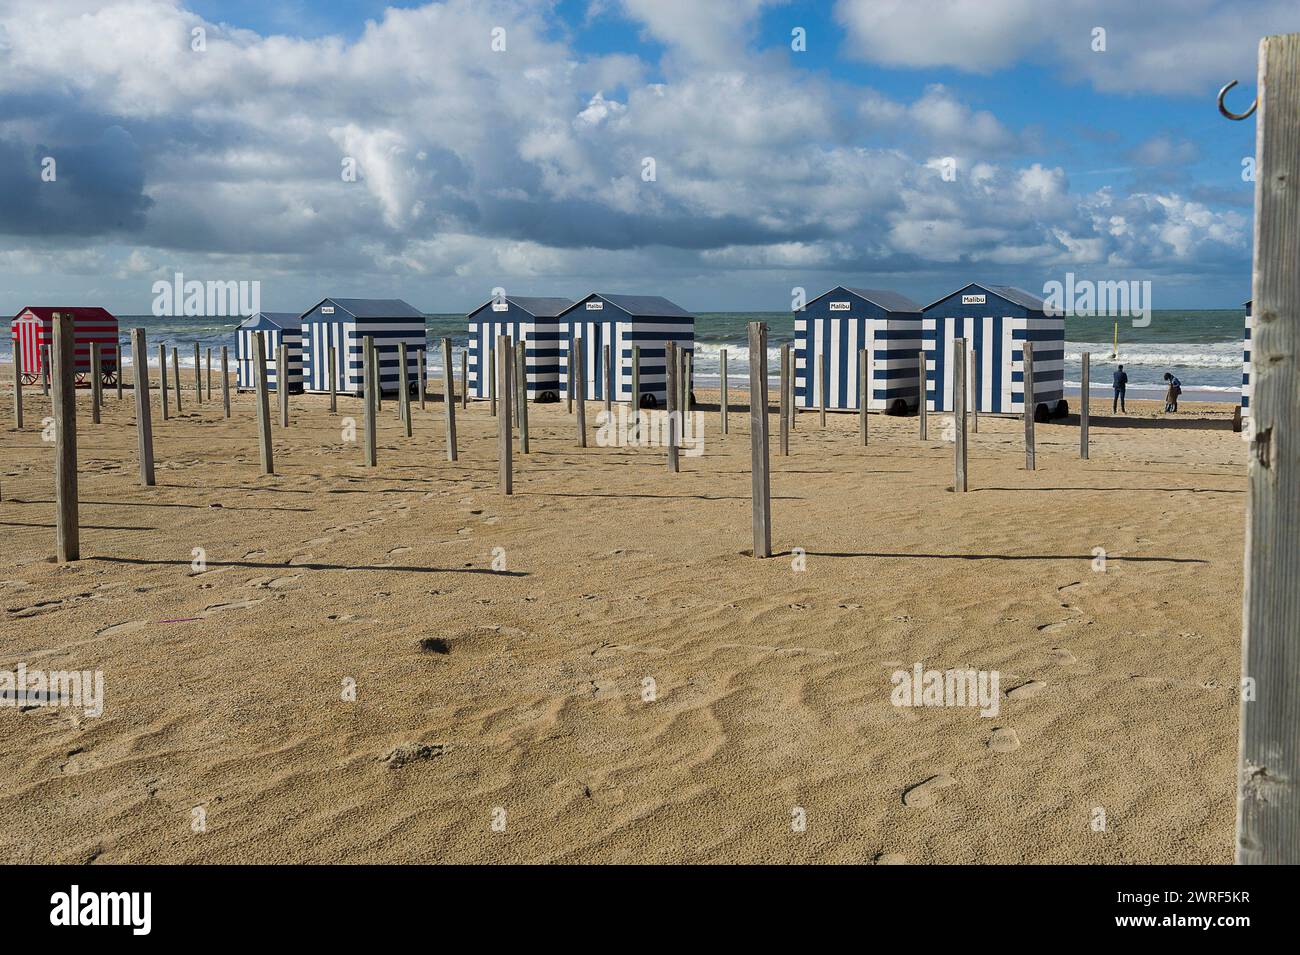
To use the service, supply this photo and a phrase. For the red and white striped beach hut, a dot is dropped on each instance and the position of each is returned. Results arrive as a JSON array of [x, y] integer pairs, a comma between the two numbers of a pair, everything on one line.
[[33, 329]]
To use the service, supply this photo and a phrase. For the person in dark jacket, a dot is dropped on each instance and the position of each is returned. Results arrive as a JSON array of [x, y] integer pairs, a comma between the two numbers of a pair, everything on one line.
[[1175, 389], [1119, 381]]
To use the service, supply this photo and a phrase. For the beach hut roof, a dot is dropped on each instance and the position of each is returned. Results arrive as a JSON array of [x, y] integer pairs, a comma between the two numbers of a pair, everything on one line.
[[538, 306], [372, 307], [79, 312], [289, 320], [1016, 296], [889, 301], [647, 306]]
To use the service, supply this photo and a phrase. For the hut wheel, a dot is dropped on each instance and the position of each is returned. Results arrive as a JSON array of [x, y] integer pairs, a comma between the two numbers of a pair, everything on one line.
[[29, 378], [649, 401]]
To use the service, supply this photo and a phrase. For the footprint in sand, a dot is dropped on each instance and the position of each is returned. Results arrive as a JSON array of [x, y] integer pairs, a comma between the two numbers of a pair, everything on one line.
[[1061, 656], [121, 629], [1052, 627], [1026, 691], [1004, 740], [924, 794]]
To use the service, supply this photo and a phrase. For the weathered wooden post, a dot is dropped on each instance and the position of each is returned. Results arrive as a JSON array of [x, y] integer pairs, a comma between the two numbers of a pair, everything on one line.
[[118, 346], [263, 406], [688, 402], [505, 444], [491, 373], [421, 375], [758, 429], [45, 370], [520, 365], [823, 385], [162, 378], [609, 383], [369, 384], [18, 384], [864, 392], [959, 395], [636, 389], [376, 377], [143, 419], [579, 391], [67, 522], [225, 381], [96, 382], [334, 378], [672, 394], [921, 405], [1030, 406], [208, 357], [176, 376], [282, 383], [449, 399], [464, 379], [786, 399], [198, 376], [794, 388], [1268, 801], [1083, 409], [404, 386], [683, 382], [974, 379], [569, 383], [722, 387]]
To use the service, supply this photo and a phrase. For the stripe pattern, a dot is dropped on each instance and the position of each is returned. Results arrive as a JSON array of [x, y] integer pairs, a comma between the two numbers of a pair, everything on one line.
[[541, 350], [30, 332], [347, 333], [892, 346], [650, 335], [998, 380], [272, 338]]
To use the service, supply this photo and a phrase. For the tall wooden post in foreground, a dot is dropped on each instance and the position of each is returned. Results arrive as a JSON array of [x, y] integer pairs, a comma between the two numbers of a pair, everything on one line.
[[263, 406], [505, 446], [959, 369], [1268, 796], [368, 387], [449, 399], [176, 376], [1030, 407], [207, 356], [143, 419], [162, 378], [672, 394], [759, 463], [67, 523], [198, 376], [404, 386], [1083, 409], [225, 381], [282, 382], [578, 390]]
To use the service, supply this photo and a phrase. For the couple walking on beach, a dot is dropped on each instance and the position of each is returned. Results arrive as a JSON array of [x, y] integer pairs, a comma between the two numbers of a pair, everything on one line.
[[1119, 381]]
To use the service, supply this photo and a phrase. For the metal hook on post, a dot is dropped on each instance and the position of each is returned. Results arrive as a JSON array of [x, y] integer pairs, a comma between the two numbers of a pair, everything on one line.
[[1229, 113]]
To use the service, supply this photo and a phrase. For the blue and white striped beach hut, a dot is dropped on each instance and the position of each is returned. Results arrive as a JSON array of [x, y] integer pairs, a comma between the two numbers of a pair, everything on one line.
[[344, 323], [830, 331], [529, 319], [1245, 366], [624, 321], [996, 321], [275, 328]]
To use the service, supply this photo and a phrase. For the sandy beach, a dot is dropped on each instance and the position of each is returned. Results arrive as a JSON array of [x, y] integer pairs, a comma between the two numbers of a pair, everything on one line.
[[593, 670]]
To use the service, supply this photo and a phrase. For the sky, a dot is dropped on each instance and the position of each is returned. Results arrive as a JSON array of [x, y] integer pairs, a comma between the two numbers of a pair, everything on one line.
[[719, 152]]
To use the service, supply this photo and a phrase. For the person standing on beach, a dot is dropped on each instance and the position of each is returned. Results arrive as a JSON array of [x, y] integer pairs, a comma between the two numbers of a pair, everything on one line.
[[1171, 396], [1119, 381]]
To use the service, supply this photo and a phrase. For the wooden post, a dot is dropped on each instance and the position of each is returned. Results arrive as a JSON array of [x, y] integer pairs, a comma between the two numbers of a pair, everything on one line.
[[225, 381], [376, 376], [282, 382], [568, 391], [176, 376], [864, 392], [672, 370], [793, 412], [577, 387], [334, 378], [207, 354], [609, 383], [67, 521], [974, 365], [491, 374], [45, 370], [18, 383], [263, 405], [636, 388], [143, 419], [787, 397], [521, 374], [421, 375], [162, 378], [758, 428], [1029, 406], [1268, 803], [505, 446], [118, 346], [959, 395], [921, 407], [449, 399], [683, 402], [823, 380], [198, 376], [722, 386], [688, 402], [404, 382], [96, 382], [368, 387], [1083, 409], [464, 380]]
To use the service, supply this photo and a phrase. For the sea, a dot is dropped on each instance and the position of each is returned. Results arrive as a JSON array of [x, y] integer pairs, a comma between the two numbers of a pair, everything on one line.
[[1203, 347]]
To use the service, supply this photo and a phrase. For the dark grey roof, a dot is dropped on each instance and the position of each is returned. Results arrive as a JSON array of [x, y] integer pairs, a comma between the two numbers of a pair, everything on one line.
[[652, 306], [889, 301], [1016, 296], [282, 319], [539, 306], [375, 307]]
